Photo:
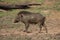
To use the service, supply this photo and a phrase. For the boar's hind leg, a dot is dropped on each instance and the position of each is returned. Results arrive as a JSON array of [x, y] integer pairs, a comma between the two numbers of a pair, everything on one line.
[[40, 26], [45, 28]]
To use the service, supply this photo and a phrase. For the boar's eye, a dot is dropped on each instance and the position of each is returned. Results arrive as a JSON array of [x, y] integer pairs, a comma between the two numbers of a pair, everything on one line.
[[21, 15]]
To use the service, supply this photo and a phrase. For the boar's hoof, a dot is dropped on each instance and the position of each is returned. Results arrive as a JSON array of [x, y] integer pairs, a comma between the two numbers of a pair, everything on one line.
[[26, 31]]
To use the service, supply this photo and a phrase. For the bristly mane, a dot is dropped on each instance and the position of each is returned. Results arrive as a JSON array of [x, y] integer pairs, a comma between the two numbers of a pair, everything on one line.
[[24, 12]]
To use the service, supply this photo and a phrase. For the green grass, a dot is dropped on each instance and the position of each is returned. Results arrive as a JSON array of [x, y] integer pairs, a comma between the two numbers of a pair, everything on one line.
[[22, 1]]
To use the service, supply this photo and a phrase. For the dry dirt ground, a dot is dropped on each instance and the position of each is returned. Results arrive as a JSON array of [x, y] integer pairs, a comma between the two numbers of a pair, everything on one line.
[[53, 26], [52, 22], [11, 31]]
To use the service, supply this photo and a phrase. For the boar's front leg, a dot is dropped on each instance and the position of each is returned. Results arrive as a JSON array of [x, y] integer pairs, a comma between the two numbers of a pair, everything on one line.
[[26, 27]]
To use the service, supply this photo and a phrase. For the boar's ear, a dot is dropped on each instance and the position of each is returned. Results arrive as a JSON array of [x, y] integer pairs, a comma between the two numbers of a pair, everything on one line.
[[21, 15]]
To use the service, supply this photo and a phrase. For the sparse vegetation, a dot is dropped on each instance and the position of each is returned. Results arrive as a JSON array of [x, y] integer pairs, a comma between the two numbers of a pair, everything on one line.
[[11, 31], [57, 5]]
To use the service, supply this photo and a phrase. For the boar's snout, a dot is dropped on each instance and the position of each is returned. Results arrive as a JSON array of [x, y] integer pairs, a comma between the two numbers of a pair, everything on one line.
[[16, 21]]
